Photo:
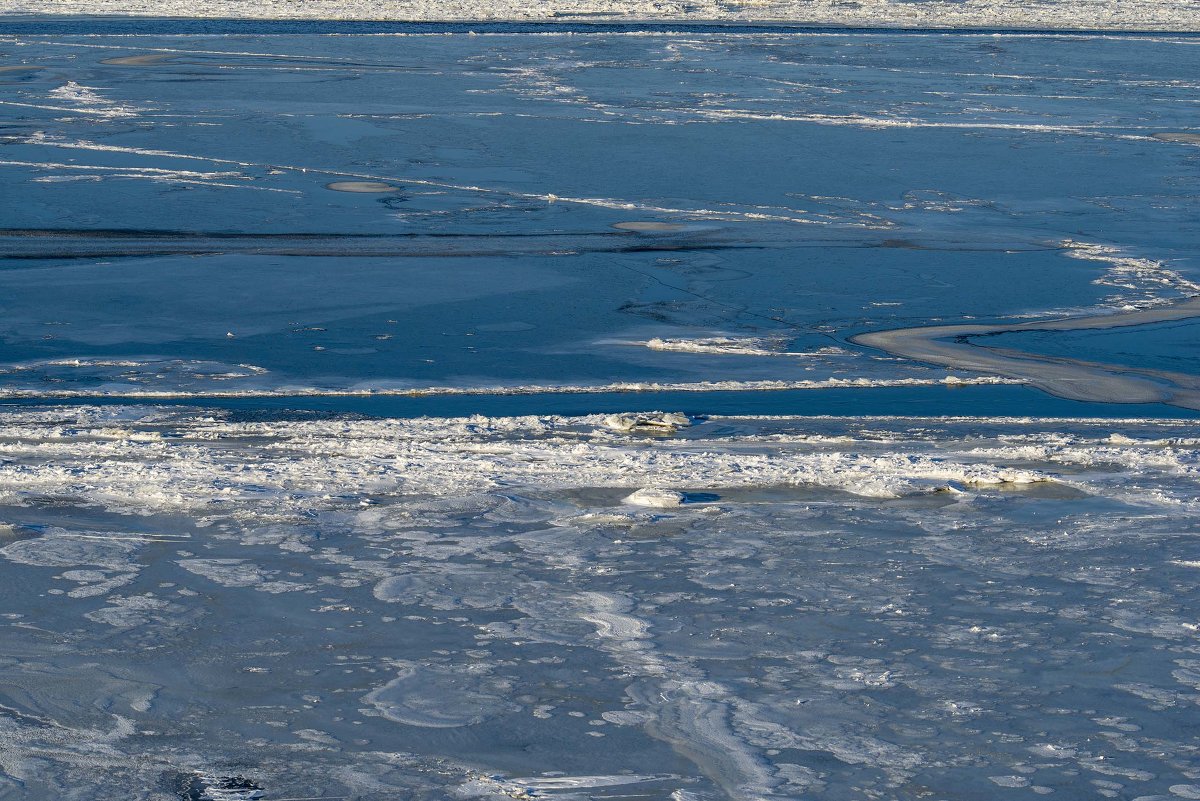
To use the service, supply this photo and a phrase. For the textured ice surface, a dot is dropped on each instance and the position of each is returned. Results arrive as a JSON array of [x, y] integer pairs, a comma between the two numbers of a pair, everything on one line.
[[850, 608], [1070, 14], [198, 603]]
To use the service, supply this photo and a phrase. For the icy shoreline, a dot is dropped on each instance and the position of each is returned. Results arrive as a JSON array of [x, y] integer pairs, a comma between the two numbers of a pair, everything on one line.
[[951, 346]]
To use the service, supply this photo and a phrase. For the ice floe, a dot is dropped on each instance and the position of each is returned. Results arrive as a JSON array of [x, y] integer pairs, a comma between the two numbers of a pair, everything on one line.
[[441, 584], [656, 498], [663, 422], [738, 346], [433, 696]]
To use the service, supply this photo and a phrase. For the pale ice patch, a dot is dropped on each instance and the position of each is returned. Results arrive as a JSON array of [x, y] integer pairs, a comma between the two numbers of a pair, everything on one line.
[[561, 786], [442, 696], [447, 587], [240, 573], [137, 610], [103, 562], [62, 548], [664, 422], [364, 187], [83, 99], [96, 582], [656, 498], [738, 346], [81, 363], [78, 93], [1142, 281], [553, 783]]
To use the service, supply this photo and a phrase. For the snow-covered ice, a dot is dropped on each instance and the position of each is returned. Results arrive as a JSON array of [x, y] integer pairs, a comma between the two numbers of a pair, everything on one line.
[[1178, 15], [859, 606], [656, 498]]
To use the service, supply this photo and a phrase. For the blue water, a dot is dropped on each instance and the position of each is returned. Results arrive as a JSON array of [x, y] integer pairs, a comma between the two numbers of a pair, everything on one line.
[[966, 401]]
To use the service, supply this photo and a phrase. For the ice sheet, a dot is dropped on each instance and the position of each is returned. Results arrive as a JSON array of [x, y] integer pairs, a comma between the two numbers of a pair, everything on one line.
[[578, 210], [478, 607]]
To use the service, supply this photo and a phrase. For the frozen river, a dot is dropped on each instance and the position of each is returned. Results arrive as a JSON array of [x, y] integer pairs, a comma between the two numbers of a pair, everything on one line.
[[329, 465]]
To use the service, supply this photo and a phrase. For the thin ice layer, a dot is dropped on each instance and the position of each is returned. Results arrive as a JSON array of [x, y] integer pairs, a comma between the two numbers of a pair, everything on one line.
[[178, 222]]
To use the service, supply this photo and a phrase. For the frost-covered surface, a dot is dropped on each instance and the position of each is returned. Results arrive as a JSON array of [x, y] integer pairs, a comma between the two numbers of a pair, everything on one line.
[[763, 608], [1178, 15]]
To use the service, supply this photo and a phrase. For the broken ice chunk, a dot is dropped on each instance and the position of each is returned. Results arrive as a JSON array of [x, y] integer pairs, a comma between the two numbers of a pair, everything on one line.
[[656, 498], [665, 422]]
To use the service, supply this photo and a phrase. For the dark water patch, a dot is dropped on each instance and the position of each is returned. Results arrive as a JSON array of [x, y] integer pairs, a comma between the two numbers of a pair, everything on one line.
[[169, 234], [933, 401], [55, 244], [20, 718], [193, 787]]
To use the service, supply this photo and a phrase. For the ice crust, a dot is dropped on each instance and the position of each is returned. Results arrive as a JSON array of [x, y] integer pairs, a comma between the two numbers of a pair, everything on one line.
[[662, 422], [857, 605], [454, 456]]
